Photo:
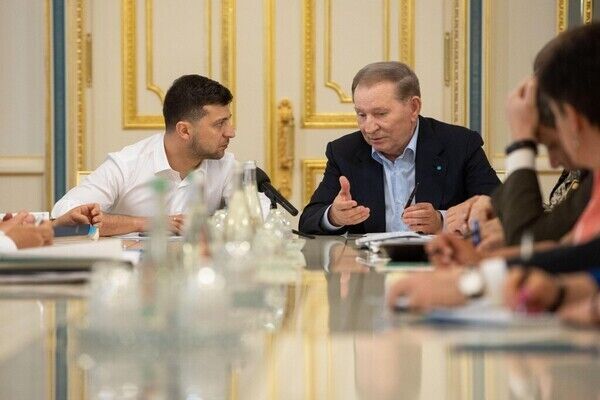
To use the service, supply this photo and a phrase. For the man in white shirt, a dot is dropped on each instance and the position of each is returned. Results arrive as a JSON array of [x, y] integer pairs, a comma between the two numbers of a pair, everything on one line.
[[198, 129]]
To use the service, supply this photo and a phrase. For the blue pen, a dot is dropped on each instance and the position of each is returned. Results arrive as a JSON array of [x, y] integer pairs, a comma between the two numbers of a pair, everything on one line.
[[475, 233]]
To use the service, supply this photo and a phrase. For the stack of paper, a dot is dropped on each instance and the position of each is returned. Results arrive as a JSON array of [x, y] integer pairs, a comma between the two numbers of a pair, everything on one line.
[[69, 262]]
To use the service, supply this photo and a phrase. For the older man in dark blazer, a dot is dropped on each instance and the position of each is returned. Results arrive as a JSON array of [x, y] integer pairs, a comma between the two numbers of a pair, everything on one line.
[[371, 173]]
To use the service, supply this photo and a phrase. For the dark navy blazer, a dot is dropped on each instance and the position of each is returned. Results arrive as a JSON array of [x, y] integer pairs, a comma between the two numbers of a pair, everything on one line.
[[450, 168]]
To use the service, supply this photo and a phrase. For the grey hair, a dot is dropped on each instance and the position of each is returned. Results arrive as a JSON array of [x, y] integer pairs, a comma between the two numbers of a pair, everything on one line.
[[407, 83]]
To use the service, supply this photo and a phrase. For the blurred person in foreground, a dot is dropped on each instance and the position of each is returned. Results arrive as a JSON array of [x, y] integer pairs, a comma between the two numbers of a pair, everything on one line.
[[569, 285], [20, 231], [516, 207]]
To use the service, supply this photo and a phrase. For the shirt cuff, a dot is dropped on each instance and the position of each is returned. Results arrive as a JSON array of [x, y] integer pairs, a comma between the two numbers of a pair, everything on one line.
[[493, 271], [6, 243], [326, 225], [520, 159], [443, 213]]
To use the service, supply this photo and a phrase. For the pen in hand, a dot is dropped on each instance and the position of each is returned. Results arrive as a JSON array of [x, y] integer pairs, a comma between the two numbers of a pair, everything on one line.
[[411, 196], [475, 233]]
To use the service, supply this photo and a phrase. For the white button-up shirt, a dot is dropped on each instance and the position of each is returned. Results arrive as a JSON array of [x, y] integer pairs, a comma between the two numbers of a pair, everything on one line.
[[121, 184]]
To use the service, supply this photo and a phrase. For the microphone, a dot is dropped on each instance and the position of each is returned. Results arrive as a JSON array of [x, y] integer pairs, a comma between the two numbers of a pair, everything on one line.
[[264, 186]]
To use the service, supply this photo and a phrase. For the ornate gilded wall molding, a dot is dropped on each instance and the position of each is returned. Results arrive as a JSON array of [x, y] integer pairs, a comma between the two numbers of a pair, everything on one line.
[[284, 171], [269, 44], [487, 68], [561, 15], [81, 73], [310, 117], [458, 105], [311, 169], [131, 119], [587, 11], [406, 29], [228, 47], [150, 85], [77, 63], [49, 154]]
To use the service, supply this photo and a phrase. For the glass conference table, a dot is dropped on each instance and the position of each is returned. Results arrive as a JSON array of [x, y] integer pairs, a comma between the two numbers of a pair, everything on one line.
[[334, 340]]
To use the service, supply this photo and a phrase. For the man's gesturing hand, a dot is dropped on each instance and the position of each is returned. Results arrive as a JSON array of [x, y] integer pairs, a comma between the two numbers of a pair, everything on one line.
[[344, 210]]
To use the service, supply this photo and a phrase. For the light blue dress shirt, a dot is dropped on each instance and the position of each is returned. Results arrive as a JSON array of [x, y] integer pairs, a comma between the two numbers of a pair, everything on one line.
[[399, 182]]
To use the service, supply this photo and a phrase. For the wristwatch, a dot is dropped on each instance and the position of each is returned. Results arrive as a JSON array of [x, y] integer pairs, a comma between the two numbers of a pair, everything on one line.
[[471, 283], [522, 144]]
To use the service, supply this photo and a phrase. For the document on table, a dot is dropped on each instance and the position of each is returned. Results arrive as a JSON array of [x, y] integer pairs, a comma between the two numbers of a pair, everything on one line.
[[61, 257], [102, 249], [383, 236], [483, 313]]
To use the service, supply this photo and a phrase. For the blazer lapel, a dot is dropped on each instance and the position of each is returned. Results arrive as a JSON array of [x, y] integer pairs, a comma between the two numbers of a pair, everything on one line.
[[368, 175], [430, 166]]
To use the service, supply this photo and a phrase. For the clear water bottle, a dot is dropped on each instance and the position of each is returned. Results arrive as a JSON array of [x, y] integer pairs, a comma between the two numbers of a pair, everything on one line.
[[251, 191], [155, 264], [156, 250], [195, 249], [238, 223]]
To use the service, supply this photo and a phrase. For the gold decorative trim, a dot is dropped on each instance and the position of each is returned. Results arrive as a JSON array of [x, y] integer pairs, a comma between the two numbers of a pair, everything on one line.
[[587, 11], [228, 47], [89, 64], [76, 65], [284, 171], [327, 45], [269, 38], [386, 28], [458, 106], [208, 23], [561, 15], [130, 118], [150, 85], [49, 154], [487, 69], [81, 74], [310, 117], [310, 170], [81, 175], [406, 31]]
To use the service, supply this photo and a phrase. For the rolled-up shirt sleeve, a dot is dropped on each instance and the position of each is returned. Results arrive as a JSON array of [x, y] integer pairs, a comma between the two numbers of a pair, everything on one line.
[[102, 187]]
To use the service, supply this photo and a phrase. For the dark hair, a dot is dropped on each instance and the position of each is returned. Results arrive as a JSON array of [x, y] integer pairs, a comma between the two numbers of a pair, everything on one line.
[[407, 83], [571, 71], [188, 95]]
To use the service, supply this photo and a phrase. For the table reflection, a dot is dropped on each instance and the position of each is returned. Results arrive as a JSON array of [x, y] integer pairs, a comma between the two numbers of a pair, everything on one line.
[[323, 333]]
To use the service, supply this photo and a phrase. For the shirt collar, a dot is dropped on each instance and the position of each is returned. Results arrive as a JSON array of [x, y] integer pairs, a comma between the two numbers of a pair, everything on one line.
[[161, 163], [412, 146]]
